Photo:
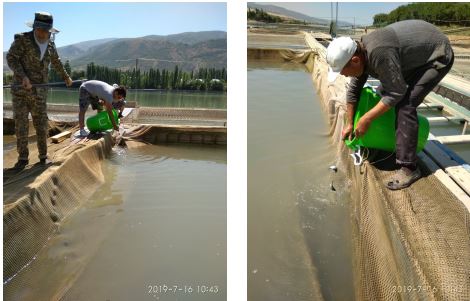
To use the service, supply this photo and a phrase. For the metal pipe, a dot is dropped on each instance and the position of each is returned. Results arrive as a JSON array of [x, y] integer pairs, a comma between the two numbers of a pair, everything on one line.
[[57, 84], [336, 21]]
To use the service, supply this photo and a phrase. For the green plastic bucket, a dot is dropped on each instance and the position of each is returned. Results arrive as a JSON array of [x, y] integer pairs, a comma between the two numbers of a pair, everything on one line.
[[381, 132], [101, 122]]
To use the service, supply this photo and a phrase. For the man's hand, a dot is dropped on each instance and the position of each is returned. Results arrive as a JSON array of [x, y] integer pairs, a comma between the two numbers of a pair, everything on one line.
[[347, 132], [365, 121], [26, 83], [68, 81], [362, 126]]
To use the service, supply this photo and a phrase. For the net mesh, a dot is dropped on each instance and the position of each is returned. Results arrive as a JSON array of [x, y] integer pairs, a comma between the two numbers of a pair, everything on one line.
[[39, 198], [36, 199], [412, 244]]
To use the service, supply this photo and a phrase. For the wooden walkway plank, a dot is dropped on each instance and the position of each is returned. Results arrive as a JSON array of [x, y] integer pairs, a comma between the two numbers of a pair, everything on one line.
[[445, 119], [454, 139], [449, 107], [452, 166], [457, 84], [430, 106], [444, 178], [61, 137]]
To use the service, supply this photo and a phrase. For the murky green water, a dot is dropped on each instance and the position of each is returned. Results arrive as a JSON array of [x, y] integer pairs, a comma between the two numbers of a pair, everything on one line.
[[298, 228], [156, 225], [210, 100]]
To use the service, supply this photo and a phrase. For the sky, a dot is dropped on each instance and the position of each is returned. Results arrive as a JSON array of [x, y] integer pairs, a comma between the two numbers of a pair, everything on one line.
[[360, 12], [85, 21]]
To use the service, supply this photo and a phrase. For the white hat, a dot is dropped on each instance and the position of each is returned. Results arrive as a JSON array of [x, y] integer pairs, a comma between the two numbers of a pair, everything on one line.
[[338, 54], [42, 20]]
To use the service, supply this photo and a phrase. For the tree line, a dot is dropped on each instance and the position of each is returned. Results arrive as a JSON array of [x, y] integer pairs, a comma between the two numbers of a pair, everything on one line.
[[202, 79], [260, 15], [437, 13]]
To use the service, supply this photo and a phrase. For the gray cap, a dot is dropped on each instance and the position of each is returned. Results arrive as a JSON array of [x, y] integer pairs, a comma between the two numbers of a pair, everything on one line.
[[42, 20]]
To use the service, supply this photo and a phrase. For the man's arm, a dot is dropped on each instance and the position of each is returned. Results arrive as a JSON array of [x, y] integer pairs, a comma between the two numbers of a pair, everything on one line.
[[365, 121], [355, 88], [109, 108], [351, 110], [349, 126], [352, 97], [121, 109], [58, 66], [386, 63]]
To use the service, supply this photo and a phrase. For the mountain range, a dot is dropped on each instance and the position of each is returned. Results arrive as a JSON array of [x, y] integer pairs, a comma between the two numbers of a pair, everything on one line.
[[294, 15], [189, 50]]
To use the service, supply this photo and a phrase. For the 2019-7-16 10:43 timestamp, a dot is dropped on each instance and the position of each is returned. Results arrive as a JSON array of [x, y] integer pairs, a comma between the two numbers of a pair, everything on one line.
[[184, 289], [412, 288]]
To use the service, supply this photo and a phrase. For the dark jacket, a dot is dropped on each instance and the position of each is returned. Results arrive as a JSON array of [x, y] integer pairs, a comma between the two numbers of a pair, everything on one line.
[[395, 53]]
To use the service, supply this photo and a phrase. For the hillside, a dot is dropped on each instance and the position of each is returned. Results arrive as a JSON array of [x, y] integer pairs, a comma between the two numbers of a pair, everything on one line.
[[157, 53], [280, 11], [73, 51], [188, 50], [190, 37]]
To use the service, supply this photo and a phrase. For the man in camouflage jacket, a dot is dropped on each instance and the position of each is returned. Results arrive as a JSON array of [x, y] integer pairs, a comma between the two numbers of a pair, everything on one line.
[[29, 57]]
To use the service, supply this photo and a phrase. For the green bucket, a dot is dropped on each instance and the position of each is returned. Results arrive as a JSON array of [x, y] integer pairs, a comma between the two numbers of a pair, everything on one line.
[[101, 122], [381, 132]]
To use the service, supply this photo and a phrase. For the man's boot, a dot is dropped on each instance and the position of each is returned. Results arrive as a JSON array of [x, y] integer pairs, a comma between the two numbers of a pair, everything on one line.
[[20, 165]]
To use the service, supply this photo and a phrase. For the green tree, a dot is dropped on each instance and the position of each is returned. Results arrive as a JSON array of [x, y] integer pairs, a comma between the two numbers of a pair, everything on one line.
[[174, 82], [260, 15], [67, 67], [438, 13]]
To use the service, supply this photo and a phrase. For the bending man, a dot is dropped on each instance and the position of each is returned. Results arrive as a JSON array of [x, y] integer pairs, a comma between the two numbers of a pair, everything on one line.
[[409, 58], [98, 93]]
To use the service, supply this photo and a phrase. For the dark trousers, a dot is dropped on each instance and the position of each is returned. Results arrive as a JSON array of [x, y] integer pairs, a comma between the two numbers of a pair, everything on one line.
[[406, 122]]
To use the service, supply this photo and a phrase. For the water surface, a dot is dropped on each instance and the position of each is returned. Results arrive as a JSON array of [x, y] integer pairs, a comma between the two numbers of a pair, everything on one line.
[[298, 229], [155, 98], [158, 223]]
